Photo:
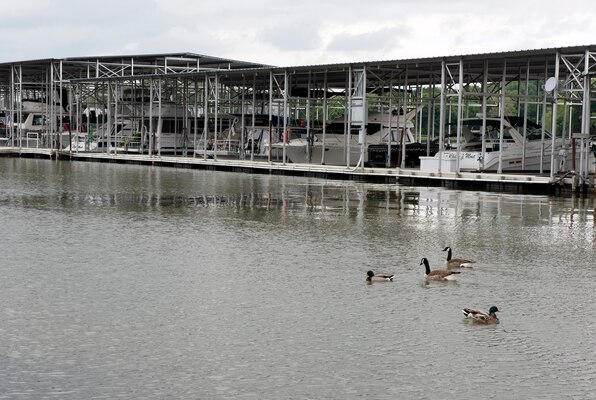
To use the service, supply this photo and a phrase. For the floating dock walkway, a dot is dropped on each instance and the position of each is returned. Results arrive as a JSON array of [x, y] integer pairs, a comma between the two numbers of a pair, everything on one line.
[[511, 182]]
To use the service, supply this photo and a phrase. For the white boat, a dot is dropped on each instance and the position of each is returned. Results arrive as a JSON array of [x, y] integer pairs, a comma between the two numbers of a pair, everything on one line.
[[32, 127], [171, 123], [382, 128], [172, 126], [233, 142], [478, 152]]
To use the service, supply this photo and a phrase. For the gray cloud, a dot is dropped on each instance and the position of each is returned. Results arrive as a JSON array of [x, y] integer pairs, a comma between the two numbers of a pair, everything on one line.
[[281, 33], [381, 39], [291, 36]]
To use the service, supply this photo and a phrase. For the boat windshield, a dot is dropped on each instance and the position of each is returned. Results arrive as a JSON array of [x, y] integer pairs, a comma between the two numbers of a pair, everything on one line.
[[533, 130], [395, 136], [472, 130], [24, 116], [38, 120], [535, 133]]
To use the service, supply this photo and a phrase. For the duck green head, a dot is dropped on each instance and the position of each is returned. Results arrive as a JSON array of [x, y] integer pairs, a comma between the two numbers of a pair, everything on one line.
[[493, 310], [370, 274]]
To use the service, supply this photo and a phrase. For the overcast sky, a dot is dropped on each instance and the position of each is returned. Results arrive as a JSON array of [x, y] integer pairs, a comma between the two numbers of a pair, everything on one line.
[[290, 33]]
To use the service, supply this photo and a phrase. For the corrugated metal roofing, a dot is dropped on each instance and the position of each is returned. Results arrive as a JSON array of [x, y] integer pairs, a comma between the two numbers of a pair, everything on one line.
[[424, 70]]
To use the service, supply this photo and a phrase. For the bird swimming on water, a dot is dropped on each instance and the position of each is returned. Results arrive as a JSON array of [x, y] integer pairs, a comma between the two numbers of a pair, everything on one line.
[[481, 316], [438, 274], [381, 277], [456, 262]]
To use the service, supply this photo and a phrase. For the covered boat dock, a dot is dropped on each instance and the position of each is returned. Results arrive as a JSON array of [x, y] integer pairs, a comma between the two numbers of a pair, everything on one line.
[[213, 108]]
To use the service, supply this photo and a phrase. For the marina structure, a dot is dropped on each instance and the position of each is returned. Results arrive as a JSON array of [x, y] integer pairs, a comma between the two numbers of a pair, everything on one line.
[[518, 116]]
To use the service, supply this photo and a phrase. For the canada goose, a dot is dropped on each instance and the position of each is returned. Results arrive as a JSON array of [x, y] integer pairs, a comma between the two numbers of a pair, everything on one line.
[[372, 277], [481, 316], [456, 262], [438, 274]]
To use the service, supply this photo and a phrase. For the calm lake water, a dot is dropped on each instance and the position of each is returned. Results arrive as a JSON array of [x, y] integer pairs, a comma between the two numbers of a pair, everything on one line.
[[135, 282]]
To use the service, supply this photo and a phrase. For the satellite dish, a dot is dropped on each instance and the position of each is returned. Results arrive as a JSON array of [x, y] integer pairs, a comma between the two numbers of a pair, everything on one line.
[[550, 84]]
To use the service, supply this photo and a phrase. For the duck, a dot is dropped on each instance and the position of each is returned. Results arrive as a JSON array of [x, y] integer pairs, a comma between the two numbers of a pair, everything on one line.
[[438, 274], [456, 262], [381, 277], [481, 316]]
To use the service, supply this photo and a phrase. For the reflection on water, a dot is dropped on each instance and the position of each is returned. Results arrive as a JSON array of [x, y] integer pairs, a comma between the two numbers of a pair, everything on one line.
[[139, 282]]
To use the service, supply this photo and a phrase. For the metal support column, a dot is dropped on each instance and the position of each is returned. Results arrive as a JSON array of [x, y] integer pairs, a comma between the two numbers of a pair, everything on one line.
[[442, 116], [554, 118]]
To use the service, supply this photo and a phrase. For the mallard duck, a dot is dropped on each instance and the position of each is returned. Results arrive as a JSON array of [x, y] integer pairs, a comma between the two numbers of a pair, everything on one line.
[[381, 277], [481, 316], [456, 262], [438, 274]]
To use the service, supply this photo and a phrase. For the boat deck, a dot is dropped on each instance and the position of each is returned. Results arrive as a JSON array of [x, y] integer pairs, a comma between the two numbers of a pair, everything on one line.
[[506, 182]]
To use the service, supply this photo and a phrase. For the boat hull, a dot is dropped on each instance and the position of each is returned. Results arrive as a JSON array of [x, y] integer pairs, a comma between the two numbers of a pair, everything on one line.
[[334, 155], [511, 161]]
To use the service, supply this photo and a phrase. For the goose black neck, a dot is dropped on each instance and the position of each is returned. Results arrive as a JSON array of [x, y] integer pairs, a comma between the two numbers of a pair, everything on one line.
[[426, 266], [449, 254]]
